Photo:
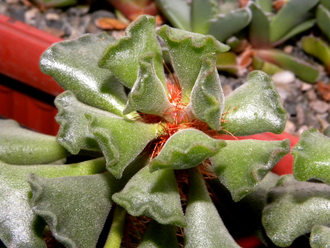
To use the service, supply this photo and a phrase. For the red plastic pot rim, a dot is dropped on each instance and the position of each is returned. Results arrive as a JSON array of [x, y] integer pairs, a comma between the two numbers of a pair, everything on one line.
[[21, 46]]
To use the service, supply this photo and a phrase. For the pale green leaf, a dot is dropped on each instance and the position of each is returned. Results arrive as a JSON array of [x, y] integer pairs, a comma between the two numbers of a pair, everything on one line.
[[293, 209], [154, 195], [148, 94], [74, 65], [259, 30], [122, 57], [201, 13], [287, 17], [320, 237], [19, 225], [223, 26], [254, 107], [22, 146], [121, 140], [242, 164], [204, 225], [186, 149], [74, 134], [74, 208], [302, 69], [177, 12], [312, 156], [207, 98], [182, 45]]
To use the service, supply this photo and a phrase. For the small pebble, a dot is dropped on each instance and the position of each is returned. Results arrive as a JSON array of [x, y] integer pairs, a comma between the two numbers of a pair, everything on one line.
[[306, 87], [290, 127], [283, 77], [311, 95], [319, 106]]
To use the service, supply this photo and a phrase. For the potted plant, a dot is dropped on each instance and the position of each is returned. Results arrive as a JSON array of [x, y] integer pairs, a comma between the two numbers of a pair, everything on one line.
[[149, 146]]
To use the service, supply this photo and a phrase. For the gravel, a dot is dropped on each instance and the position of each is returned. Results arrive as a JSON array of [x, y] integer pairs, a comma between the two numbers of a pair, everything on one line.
[[305, 106]]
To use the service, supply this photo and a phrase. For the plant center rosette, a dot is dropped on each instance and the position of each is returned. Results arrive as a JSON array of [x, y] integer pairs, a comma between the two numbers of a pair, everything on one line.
[[151, 103]]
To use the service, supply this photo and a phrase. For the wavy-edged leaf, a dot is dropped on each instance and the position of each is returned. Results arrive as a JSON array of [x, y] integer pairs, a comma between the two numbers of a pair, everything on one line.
[[318, 48], [177, 12], [19, 225], [185, 149], [159, 236], [182, 45], [148, 94], [74, 134], [287, 17], [312, 156], [293, 209], [320, 237], [74, 65], [154, 195], [302, 69], [255, 107], [207, 98], [121, 140], [204, 225], [242, 164], [224, 26], [259, 30], [22, 146], [122, 57], [75, 208]]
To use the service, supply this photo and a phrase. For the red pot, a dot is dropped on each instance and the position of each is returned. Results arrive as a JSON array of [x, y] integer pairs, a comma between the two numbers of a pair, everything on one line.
[[21, 46]]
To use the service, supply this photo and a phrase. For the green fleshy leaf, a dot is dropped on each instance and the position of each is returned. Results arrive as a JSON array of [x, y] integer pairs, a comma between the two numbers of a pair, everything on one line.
[[22, 146], [227, 62], [325, 3], [159, 236], [323, 17], [207, 98], [204, 225], [201, 13], [293, 209], [242, 164], [121, 140], [320, 236], [312, 156], [186, 149], [75, 208], [148, 94], [154, 195], [183, 44], [177, 12], [19, 225], [74, 134], [296, 30], [287, 17], [269, 68], [224, 26], [300, 68], [122, 57], [259, 30], [318, 48], [266, 5], [255, 107], [74, 65]]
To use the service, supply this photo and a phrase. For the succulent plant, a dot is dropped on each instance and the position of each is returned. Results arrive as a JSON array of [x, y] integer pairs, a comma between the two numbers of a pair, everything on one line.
[[269, 29], [319, 46], [154, 141]]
